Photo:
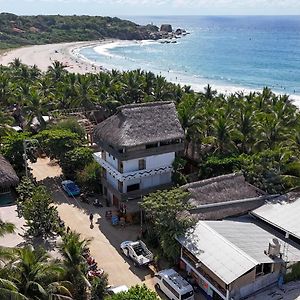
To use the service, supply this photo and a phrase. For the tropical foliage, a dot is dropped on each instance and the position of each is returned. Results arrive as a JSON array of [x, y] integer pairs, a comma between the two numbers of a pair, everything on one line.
[[229, 130], [90, 177], [29, 273], [40, 215], [137, 292], [165, 212], [26, 30]]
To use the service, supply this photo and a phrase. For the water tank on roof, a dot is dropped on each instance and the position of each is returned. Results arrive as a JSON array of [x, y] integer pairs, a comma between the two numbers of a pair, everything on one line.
[[274, 248]]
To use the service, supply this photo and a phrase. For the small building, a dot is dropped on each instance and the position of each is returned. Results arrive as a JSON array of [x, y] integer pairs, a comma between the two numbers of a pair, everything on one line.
[[8, 180], [284, 215], [224, 196], [232, 259], [137, 149]]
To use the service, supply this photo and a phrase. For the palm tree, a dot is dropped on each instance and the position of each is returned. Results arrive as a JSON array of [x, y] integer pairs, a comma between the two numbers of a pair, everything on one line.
[[209, 93], [16, 63], [6, 227], [57, 70], [33, 275], [8, 290], [72, 249], [35, 106], [222, 137], [246, 128]]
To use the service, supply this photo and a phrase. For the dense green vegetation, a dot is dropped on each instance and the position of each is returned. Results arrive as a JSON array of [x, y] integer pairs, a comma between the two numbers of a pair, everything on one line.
[[256, 133], [30, 30], [166, 220], [137, 292], [31, 273]]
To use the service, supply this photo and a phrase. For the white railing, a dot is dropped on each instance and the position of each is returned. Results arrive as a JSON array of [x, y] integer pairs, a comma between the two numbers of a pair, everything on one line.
[[130, 175]]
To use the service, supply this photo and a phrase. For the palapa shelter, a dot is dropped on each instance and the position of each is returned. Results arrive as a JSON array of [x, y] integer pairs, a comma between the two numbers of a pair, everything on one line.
[[8, 179], [140, 125], [223, 196], [137, 149]]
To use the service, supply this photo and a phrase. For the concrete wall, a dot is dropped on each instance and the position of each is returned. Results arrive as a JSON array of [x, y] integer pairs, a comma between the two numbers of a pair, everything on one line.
[[259, 283], [152, 162], [243, 280]]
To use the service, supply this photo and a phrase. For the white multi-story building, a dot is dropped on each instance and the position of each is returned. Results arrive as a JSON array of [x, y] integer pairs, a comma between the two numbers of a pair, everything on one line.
[[137, 149]]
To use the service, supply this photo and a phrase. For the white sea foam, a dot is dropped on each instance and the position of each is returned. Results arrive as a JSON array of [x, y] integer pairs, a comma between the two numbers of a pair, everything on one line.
[[197, 82]]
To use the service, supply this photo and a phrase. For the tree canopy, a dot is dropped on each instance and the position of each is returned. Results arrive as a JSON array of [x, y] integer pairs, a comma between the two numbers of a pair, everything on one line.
[[165, 212], [137, 292], [43, 29]]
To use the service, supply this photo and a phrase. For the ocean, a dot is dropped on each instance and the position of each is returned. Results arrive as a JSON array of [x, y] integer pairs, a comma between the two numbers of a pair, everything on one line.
[[228, 52]]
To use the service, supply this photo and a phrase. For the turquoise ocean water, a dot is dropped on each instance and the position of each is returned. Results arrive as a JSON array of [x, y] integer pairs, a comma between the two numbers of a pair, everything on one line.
[[240, 52]]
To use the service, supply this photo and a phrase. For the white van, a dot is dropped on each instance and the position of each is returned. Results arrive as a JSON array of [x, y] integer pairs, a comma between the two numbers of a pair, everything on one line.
[[173, 285]]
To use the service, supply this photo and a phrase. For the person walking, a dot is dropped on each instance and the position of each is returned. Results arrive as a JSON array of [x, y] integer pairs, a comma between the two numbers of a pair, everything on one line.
[[91, 219]]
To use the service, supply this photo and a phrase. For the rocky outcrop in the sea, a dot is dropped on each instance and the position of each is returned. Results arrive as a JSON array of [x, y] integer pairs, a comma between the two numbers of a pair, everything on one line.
[[166, 28]]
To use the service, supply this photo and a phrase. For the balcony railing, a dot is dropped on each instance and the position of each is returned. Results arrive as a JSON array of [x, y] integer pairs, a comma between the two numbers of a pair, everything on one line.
[[130, 175]]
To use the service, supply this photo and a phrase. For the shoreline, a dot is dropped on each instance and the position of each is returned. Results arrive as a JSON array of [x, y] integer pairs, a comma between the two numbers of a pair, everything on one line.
[[69, 54]]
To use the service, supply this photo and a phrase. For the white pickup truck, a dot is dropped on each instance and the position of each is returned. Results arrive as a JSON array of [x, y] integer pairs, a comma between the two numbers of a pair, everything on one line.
[[137, 251]]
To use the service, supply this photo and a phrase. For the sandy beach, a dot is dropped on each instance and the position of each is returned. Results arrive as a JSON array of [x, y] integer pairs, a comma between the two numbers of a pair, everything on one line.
[[69, 54], [43, 56]]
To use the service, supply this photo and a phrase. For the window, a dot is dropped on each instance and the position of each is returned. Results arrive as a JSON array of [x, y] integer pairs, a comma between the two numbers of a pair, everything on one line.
[[171, 289], [104, 173], [259, 270], [142, 164], [120, 186], [267, 268], [154, 145], [133, 187], [120, 166]]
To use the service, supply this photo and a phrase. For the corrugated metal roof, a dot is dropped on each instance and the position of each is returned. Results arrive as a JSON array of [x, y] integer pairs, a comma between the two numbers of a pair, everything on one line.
[[230, 248], [283, 215], [245, 234], [218, 254]]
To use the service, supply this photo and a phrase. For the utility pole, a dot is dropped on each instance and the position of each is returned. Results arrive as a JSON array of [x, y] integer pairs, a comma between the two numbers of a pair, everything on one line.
[[141, 218]]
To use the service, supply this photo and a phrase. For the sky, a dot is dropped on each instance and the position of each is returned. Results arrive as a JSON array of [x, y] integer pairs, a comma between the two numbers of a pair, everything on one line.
[[151, 7]]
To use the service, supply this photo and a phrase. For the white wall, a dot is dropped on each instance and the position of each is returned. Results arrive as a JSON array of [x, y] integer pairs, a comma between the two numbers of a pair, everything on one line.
[[113, 181], [155, 180], [149, 181], [152, 162], [112, 161]]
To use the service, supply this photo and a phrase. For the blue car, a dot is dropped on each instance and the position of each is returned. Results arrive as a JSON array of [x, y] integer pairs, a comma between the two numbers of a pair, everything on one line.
[[70, 188]]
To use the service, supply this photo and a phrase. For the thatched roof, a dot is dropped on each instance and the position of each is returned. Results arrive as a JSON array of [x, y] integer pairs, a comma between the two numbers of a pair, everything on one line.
[[140, 124], [221, 189], [8, 176]]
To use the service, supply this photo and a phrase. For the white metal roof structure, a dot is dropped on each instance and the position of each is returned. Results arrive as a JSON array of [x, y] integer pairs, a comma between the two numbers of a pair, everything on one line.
[[283, 215], [230, 248], [253, 238], [216, 253]]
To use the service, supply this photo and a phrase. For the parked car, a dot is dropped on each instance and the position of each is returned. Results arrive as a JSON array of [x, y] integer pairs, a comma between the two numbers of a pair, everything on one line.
[[116, 290], [173, 285], [137, 251], [70, 188]]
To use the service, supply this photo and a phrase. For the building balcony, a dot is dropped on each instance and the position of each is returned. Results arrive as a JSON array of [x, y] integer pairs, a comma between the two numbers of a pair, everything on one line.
[[130, 175], [134, 194], [127, 155]]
